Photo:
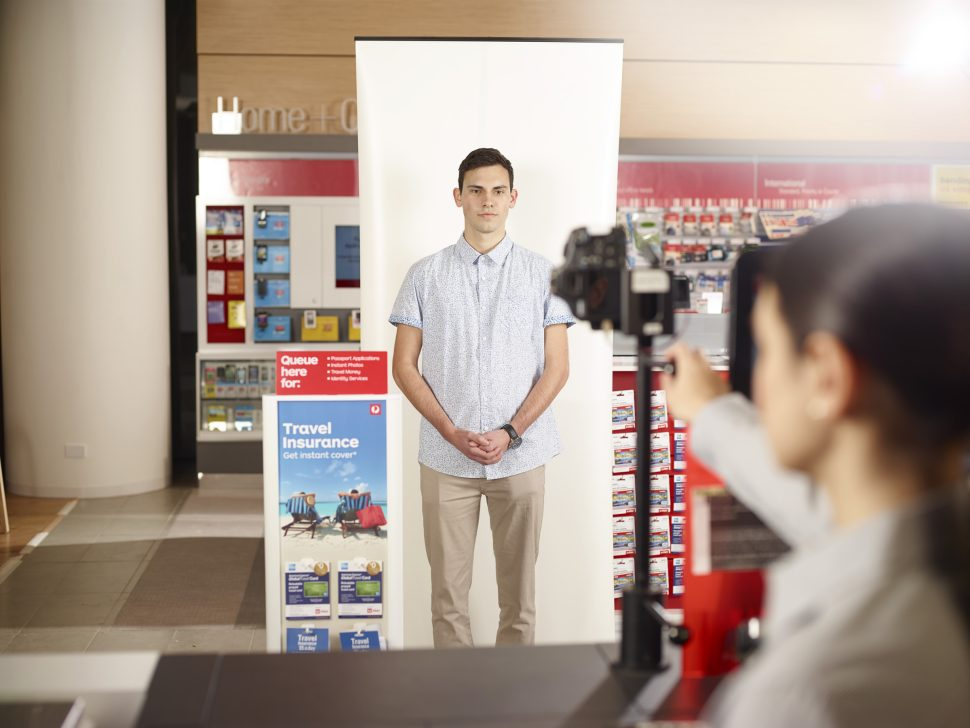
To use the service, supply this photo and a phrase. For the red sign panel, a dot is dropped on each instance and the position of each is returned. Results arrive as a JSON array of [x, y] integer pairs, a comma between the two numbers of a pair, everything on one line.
[[662, 184], [811, 184], [294, 177], [331, 372]]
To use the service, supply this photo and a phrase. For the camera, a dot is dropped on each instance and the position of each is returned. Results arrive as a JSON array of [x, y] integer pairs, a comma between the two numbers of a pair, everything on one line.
[[602, 289]]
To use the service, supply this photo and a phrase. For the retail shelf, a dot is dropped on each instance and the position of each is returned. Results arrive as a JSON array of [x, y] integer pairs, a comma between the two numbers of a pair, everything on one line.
[[233, 436]]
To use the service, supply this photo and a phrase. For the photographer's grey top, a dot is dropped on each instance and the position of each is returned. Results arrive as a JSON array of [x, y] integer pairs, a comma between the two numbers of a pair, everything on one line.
[[483, 319]]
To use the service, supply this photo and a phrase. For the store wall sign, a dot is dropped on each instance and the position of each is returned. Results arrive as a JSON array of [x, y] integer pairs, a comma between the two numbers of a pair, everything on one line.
[[328, 118], [331, 372]]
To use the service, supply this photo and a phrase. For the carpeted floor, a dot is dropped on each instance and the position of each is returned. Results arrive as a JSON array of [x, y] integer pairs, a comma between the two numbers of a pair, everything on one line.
[[199, 581]]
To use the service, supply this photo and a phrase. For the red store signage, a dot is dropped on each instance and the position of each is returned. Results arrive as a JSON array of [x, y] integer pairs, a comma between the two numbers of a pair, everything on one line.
[[331, 372]]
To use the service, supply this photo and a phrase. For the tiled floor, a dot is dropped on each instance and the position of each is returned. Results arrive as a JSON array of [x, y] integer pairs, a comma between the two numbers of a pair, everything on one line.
[[66, 594]]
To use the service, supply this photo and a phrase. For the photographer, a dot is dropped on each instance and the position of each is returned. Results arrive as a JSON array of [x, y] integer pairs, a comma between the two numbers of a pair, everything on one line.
[[856, 455]]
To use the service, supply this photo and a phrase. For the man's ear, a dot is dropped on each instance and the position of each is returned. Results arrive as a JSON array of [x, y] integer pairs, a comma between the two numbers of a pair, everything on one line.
[[513, 195], [834, 376], [457, 195]]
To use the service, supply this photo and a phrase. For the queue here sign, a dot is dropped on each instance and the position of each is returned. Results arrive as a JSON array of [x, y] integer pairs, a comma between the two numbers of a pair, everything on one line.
[[331, 372]]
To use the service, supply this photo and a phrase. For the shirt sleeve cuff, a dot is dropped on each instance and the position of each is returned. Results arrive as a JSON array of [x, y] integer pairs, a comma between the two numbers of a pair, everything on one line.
[[405, 320], [568, 320]]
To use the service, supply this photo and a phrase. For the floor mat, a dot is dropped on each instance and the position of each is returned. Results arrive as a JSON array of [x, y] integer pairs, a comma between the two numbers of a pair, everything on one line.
[[198, 581]]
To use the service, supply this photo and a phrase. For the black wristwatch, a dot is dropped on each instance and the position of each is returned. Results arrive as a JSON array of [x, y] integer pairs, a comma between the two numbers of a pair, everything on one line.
[[515, 440]]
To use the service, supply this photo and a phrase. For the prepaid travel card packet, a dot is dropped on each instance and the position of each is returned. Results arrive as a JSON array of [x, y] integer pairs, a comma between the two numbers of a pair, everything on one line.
[[360, 589], [622, 575], [659, 535], [624, 537], [624, 452], [660, 492], [658, 409], [659, 450], [307, 589], [624, 493], [657, 570], [624, 410]]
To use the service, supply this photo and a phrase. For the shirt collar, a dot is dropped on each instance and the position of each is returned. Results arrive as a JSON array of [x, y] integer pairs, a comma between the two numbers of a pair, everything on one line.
[[498, 254]]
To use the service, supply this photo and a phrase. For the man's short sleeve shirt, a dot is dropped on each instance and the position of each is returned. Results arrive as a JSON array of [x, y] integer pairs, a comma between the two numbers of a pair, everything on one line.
[[483, 320]]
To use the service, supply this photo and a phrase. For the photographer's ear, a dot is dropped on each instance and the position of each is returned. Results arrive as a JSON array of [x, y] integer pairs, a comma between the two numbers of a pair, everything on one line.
[[831, 375]]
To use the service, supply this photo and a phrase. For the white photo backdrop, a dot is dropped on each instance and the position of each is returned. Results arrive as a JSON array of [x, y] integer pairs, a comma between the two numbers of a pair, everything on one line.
[[553, 108]]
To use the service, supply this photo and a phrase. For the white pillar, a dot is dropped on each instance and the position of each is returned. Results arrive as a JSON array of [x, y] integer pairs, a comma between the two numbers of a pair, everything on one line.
[[83, 247]]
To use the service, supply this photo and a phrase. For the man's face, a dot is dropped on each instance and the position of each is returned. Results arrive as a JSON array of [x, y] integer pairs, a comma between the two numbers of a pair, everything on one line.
[[485, 199]]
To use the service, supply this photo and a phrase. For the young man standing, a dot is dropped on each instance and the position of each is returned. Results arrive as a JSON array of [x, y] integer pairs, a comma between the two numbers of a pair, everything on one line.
[[494, 357]]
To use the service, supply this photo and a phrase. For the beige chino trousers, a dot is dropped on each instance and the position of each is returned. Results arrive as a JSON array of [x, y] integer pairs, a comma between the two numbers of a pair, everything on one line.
[[451, 507]]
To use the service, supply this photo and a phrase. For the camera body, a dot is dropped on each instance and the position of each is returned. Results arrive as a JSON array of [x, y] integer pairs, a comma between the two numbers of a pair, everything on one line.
[[600, 288]]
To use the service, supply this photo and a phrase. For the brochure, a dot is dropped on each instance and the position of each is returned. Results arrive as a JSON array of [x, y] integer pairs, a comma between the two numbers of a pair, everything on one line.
[[237, 315], [678, 565], [235, 248], [361, 639], [215, 312], [680, 492], [235, 283], [307, 639], [215, 283], [223, 221], [678, 525], [215, 250], [680, 450]]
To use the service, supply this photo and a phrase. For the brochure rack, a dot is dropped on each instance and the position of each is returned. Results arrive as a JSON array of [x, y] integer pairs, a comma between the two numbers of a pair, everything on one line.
[[332, 583]]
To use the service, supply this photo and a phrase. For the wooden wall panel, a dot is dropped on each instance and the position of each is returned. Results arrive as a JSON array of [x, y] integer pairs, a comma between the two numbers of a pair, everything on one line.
[[310, 82], [791, 102], [823, 31], [660, 100], [695, 69]]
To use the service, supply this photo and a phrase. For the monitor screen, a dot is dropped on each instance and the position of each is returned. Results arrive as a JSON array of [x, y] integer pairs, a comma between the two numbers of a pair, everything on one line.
[[347, 253]]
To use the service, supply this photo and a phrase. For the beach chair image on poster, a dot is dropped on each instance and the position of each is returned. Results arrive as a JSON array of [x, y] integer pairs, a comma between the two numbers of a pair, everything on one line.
[[356, 512], [301, 507]]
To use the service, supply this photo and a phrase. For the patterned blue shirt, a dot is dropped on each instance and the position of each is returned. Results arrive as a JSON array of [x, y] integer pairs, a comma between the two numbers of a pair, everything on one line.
[[482, 319]]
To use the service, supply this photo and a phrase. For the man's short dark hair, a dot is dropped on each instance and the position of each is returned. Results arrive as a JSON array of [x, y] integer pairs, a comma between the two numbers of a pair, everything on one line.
[[484, 157]]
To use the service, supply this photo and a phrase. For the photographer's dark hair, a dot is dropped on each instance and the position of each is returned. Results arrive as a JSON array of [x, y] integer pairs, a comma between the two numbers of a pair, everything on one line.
[[893, 284], [483, 157]]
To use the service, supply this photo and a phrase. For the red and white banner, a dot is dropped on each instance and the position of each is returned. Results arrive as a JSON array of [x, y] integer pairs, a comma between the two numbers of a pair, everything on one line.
[[331, 372]]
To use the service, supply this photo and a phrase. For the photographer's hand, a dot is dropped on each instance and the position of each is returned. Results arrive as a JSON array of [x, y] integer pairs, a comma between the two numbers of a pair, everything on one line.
[[693, 386]]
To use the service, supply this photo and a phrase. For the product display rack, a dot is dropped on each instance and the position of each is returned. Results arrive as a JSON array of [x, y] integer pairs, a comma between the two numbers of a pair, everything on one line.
[[268, 269]]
